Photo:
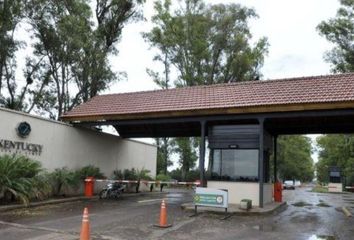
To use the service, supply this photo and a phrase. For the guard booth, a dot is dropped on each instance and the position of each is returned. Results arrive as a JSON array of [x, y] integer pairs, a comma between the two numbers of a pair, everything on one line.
[[335, 179], [234, 162]]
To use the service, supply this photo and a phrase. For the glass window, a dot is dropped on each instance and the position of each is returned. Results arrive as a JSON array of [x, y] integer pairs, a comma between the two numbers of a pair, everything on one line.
[[235, 164]]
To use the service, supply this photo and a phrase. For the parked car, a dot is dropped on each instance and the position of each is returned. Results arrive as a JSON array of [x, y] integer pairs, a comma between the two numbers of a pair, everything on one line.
[[289, 184]]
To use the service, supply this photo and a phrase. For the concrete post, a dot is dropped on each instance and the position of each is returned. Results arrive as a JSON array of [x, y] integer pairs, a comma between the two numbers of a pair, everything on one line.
[[275, 149], [202, 154], [261, 161]]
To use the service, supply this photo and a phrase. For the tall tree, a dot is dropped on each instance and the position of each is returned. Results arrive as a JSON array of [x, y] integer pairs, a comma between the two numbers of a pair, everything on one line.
[[294, 158], [340, 32], [11, 14], [203, 44], [335, 150], [207, 44], [74, 48]]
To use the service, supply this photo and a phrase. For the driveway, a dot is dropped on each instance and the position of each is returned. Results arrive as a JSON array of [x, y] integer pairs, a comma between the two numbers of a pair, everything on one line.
[[131, 217]]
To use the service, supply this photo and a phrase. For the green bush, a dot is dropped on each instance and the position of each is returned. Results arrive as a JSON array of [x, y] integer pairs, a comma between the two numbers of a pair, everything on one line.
[[20, 178], [193, 175], [131, 174], [176, 174], [163, 177], [89, 171], [118, 175], [62, 179]]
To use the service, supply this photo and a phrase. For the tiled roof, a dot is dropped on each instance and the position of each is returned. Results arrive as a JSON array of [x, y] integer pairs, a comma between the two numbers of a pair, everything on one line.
[[304, 90]]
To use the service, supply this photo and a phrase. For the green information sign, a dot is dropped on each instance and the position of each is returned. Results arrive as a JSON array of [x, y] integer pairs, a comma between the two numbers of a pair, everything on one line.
[[210, 197]]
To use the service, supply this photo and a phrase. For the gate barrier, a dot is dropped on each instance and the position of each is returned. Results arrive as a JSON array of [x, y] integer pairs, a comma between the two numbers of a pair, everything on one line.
[[89, 184]]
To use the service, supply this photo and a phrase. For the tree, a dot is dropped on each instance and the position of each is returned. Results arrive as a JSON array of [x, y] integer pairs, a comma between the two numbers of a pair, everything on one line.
[[11, 14], [74, 50], [186, 149], [294, 158], [335, 150], [340, 32], [203, 44], [163, 154], [206, 44]]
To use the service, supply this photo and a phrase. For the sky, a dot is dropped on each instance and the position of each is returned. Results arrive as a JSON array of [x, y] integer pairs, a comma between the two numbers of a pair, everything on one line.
[[296, 48]]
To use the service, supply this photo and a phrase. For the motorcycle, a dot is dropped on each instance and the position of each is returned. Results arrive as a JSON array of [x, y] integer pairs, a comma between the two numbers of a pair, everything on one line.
[[113, 190]]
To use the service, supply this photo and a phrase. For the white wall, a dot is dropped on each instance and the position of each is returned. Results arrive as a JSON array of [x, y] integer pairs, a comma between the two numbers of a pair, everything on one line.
[[243, 190], [73, 147]]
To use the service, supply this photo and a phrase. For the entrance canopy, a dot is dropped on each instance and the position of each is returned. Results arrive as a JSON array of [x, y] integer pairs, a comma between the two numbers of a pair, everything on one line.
[[321, 104]]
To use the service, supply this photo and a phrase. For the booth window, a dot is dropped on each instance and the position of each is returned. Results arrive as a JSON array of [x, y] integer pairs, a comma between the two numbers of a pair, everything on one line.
[[235, 165]]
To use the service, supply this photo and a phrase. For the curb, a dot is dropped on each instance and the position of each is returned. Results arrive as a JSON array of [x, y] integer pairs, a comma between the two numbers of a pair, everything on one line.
[[281, 207]]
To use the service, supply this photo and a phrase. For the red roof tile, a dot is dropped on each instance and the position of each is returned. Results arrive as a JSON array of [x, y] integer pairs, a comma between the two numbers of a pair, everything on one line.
[[318, 89]]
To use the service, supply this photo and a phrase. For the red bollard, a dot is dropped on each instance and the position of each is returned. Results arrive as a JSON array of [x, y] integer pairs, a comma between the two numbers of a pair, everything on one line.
[[89, 185], [278, 187]]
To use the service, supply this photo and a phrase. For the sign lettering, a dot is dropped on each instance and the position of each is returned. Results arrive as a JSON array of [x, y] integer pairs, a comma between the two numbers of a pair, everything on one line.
[[17, 147]]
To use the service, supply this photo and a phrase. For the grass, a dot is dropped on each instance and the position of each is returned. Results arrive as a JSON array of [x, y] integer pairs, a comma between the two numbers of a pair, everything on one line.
[[319, 189]]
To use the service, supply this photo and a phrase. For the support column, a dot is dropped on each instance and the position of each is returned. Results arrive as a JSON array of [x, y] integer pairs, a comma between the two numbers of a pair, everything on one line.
[[261, 161], [202, 153], [275, 148]]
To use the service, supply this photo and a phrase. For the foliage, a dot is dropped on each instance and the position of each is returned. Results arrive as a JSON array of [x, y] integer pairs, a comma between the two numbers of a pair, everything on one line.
[[340, 32], [89, 171], [63, 179], [190, 176], [186, 150], [11, 14], [294, 158], [164, 150], [162, 177], [131, 174], [336, 150], [20, 177], [193, 175], [176, 174], [319, 189], [71, 48], [206, 44]]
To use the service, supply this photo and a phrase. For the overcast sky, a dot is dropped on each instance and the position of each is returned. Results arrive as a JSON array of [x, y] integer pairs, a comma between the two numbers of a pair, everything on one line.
[[296, 49]]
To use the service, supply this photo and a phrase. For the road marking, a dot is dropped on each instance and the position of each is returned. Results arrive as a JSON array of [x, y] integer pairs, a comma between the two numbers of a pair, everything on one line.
[[150, 200], [31, 227]]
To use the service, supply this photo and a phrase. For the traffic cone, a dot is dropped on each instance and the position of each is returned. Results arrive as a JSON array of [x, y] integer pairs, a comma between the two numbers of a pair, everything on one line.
[[85, 228], [163, 216]]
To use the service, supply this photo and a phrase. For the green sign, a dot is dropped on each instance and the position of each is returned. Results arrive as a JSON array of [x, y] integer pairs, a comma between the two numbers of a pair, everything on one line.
[[210, 197]]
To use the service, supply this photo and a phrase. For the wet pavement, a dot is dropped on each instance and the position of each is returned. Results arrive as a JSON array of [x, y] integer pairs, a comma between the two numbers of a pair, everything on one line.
[[309, 216]]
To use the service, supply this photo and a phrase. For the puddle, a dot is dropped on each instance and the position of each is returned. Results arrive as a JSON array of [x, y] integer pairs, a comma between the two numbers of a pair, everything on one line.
[[321, 237], [323, 204], [301, 204]]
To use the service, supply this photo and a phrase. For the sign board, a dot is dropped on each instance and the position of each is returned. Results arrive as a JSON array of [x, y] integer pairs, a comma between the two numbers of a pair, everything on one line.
[[211, 197]]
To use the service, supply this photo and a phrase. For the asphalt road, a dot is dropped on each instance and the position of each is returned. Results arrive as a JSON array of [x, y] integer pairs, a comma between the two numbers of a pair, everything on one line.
[[132, 217]]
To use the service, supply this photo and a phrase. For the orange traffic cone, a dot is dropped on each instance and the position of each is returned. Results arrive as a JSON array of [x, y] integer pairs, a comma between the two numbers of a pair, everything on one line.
[[85, 228], [163, 216]]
